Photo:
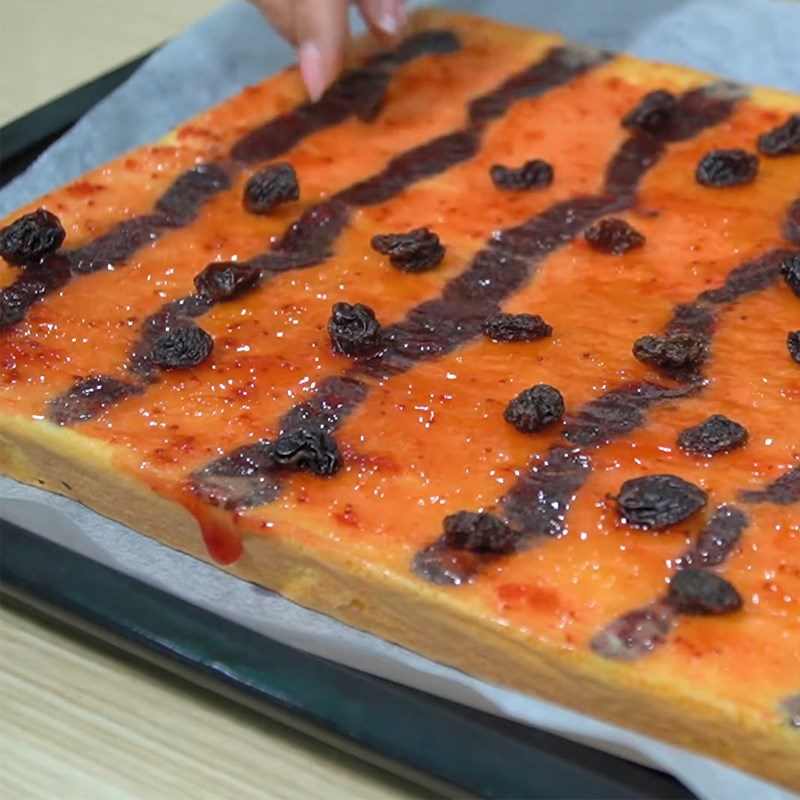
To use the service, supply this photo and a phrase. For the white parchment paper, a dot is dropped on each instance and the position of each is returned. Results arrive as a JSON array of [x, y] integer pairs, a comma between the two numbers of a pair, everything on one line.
[[750, 40]]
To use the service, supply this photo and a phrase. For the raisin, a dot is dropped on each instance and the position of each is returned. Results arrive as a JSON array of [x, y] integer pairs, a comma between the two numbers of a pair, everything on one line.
[[698, 591], [793, 343], [536, 174], [416, 251], [790, 269], [271, 187], [183, 347], [221, 280], [657, 501], [478, 533], [717, 434], [653, 112], [720, 169], [307, 450], [674, 352], [27, 239], [783, 140], [516, 328], [535, 408], [354, 330], [613, 235]]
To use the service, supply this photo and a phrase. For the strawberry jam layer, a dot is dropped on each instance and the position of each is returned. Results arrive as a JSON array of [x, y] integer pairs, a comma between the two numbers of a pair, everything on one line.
[[419, 425]]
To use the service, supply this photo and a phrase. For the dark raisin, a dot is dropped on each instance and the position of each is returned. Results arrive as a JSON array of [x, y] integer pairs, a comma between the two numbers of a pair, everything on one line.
[[354, 330], [416, 251], [307, 450], [653, 112], [536, 174], [722, 168], [183, 347], [613, 235], [698, 591], [790, 269], [478, 533], [27, 239], [271, 187], [793, 343], [221, 280], [783, 140], [516, 328], [674, 352], [717, 434], [657, 501], [535, 408]]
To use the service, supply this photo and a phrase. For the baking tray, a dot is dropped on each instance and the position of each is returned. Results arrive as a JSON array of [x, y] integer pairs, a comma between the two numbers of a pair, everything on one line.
[[450, 749]]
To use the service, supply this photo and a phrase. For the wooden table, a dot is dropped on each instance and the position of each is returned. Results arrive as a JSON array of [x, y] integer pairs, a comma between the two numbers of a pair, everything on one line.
[[79, 720]]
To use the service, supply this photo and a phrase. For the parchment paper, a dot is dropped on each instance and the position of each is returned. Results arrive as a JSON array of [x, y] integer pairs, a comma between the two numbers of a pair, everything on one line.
[[750, 40]]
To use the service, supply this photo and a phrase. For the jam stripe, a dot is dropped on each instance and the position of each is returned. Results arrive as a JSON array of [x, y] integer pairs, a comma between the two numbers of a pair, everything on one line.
[[639, 632], [179, 205], [790, 706], [506, 263], [783, 491], [310, 240]]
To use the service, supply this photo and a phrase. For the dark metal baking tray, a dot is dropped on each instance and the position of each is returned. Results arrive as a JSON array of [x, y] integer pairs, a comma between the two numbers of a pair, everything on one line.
[[446, 747]]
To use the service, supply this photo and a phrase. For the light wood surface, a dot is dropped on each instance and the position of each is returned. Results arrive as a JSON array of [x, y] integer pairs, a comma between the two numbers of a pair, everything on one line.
[[79, 721], [50, 46]]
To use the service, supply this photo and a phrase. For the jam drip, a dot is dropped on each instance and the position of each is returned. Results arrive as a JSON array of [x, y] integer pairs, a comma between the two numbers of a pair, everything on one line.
[[310, 240], [181, 202]]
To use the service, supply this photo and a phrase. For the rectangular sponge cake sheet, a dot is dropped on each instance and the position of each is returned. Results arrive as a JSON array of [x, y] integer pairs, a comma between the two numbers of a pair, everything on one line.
[[375, 467]]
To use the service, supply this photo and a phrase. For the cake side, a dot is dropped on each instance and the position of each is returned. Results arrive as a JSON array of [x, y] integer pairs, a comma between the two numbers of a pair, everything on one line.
[[403, 612]]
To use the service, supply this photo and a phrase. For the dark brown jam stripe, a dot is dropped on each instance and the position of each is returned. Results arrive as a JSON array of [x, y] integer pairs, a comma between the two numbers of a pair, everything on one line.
[[783, 491], [310, 240], [508, 261], [617, 412], [715, 543], [87, 396], [713, 546], [791, 707], [635, 634], [791, 223], [247, 476], [356, 91], [359, 91]]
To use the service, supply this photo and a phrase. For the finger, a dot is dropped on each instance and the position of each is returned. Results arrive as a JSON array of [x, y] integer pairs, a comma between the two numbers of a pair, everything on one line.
[[321, 30], [280, 13], [387, 18]]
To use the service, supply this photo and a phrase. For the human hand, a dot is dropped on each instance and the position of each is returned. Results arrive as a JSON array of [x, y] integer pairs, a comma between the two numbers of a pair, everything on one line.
[[319, 29]]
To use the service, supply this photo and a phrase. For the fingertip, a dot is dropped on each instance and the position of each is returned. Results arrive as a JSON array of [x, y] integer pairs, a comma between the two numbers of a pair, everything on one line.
[[312, 70], [387, 17]]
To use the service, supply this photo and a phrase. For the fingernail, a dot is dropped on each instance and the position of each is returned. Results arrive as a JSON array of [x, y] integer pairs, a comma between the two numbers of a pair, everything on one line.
[[312, 70], [389, 16]]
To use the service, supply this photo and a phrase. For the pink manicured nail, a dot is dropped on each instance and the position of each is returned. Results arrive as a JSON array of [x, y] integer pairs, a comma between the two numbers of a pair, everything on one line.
[[312, 70], [388, 15]]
